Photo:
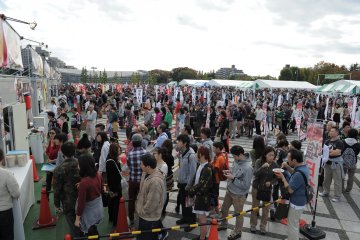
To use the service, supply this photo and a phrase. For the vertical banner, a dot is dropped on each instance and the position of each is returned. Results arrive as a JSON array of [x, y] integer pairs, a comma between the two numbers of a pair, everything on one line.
[[326, 109], [207, 124], [266, 130], [139, 94], [314, 152], [280, 99], [193, 94], [298, 117], [353, 111], [156, 92], [208, 96], [181, 97]]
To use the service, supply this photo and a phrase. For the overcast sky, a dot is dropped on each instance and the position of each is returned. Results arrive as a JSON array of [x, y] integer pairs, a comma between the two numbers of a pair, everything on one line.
[[258, 36]]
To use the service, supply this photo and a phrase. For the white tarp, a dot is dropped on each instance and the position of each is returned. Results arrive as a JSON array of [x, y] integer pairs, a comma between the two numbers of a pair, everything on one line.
[[231, 83], [191, 82], [260, 83]]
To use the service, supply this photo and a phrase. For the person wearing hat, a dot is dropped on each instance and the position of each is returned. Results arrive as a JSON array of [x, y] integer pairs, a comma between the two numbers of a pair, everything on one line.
[[133, 160]]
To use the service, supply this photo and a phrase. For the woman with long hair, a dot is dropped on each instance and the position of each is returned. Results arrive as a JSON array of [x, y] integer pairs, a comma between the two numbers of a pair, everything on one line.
[[89, 209], [257, 149], [83, 146], [103, 140], [224, 130], [201, 188], [113, 170], [264, 179], [65, 126], [51, 152]]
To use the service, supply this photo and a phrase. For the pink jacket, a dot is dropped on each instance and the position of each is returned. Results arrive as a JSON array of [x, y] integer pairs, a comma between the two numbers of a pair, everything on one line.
[[158, 119]]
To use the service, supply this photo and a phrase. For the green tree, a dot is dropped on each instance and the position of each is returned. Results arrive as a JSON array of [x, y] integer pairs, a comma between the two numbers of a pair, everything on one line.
[[161, 76], [96, 77], [116, 78], [181, 73], [286, 74], [135, 78], [104, 78], [152, 79], [327, 68], [84, 78], [354, 67]]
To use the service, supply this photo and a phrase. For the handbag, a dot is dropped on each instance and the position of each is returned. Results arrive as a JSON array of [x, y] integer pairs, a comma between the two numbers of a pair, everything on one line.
[[124, 183], [105, 195], [263, 193], [281, 211]]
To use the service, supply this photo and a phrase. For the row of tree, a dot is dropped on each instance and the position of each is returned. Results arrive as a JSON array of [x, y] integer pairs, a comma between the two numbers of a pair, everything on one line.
[[316, 74]]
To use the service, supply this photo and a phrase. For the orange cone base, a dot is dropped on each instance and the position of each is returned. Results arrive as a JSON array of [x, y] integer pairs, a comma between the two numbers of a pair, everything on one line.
[[52, 223]]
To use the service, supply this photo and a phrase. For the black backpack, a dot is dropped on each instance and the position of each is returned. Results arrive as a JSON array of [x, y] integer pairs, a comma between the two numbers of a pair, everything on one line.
[[309, 190]]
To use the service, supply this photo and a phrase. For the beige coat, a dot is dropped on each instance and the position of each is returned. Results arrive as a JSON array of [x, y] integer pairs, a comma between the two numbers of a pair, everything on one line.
[[150, 201]]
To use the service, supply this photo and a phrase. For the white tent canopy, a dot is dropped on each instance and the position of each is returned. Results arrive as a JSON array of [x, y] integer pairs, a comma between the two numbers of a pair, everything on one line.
[[231, 83], [341, 86], [191, 82], [260, 83]]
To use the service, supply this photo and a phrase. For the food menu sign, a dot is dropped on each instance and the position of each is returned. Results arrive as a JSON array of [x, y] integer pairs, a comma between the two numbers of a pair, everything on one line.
[[314, 152]]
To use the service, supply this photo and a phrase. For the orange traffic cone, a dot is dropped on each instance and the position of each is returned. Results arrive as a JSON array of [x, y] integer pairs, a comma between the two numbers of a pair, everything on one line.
[[122, 224], [67, 237], [35, 174], [45, 219], [213, 235]]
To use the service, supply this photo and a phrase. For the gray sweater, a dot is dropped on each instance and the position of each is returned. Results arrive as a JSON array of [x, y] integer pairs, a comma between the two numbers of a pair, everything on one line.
[[187, 168], [243, 172], [9, 189]]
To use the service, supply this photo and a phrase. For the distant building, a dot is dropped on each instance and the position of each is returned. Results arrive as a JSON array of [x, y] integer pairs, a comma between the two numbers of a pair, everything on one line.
[[69, 75], [226, 73]]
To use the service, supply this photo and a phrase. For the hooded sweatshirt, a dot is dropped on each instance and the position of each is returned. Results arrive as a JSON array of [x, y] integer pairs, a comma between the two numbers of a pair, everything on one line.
[[242, 172]]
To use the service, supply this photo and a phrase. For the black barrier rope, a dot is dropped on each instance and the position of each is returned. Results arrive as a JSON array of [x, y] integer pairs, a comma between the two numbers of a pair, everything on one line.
[[125, 235]]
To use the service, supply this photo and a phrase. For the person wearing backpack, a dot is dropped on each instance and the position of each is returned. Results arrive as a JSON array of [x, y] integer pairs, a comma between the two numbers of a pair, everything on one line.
[[296, 185], [238, 185], [334, 166], [349, 155]]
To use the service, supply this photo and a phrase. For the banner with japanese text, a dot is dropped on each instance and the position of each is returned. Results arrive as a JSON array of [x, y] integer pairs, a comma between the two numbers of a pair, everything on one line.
[[313, 152]]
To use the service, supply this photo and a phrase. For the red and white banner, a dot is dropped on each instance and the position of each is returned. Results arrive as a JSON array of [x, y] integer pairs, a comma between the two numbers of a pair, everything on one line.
[[10, 47], [314, 152], [266, 130]]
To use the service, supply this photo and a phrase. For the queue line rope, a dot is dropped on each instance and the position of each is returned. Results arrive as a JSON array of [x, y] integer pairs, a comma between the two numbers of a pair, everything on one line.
[[125, 235]]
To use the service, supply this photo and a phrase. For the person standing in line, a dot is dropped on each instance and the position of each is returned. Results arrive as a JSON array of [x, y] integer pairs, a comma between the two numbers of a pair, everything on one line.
[[91, 116], [151, 196], [134, 163], [66, 178], [258, 119], [129, 121], [9, 188], [187, 172], [296, 187], [334, 166], [238, 185], [113, 170], [89, 209]]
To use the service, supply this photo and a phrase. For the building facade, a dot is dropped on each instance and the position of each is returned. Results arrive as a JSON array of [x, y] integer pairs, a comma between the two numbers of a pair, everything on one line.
[[227, 73]]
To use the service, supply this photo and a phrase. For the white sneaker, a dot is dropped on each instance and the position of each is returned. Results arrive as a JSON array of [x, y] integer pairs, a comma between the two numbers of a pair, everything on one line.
[[335, 200], [323, 194]]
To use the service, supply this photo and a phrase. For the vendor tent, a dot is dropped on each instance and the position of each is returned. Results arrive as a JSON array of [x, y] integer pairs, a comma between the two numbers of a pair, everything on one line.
[[201, 84], [341, 86], [191, 82], [172, 83], [231, 83], [260, 83]]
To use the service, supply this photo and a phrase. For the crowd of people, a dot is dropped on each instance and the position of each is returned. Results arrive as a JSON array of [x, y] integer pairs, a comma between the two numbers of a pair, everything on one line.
[[188, 130]]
